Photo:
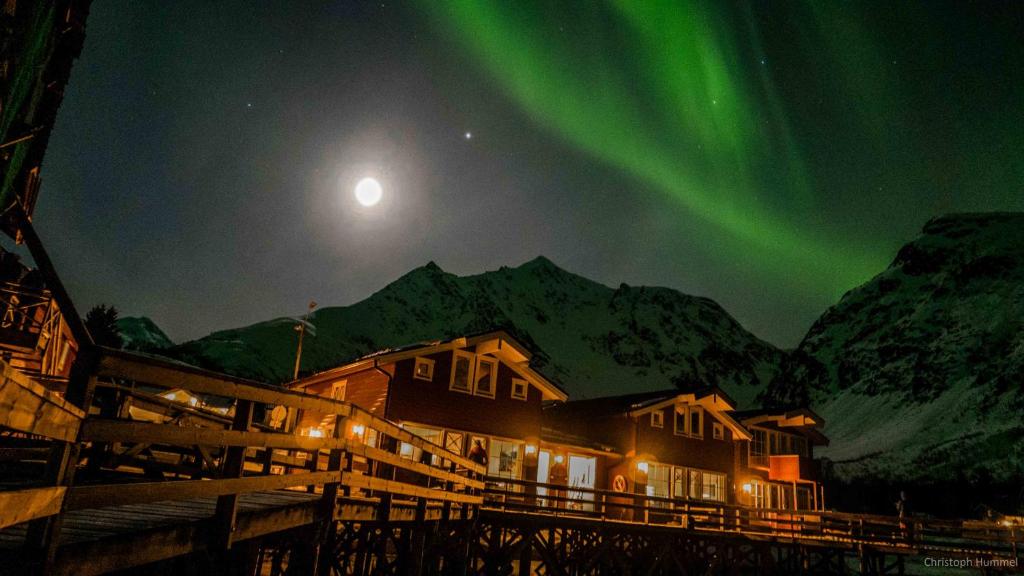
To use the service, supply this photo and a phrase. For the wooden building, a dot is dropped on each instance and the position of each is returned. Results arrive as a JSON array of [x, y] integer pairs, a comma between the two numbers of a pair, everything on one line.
[[453, 392], [668, 443], [777, 469], [678, 444]]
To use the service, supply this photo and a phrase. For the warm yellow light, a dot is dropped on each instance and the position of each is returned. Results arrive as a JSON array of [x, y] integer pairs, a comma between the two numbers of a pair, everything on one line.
[[559, 459], [642, 466], [316, 433], [531, 449], [193, 401], [748, 488]]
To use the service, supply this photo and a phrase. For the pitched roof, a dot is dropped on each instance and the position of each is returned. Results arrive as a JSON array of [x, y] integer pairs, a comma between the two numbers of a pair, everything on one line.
[[497, 342]]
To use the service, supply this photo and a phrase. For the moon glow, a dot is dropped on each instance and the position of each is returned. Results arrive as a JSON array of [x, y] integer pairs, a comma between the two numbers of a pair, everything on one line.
[[369, 192]]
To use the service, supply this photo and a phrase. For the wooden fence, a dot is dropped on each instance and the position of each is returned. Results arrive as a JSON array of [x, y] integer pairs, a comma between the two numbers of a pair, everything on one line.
[[955, 538]]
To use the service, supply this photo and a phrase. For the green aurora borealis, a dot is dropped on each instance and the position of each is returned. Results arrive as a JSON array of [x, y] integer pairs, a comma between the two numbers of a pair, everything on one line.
[[685, 98]]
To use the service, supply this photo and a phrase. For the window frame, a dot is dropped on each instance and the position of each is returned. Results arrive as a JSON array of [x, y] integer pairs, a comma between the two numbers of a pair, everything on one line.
[[684, 411], [658, 419], [717, 431], [470, 357], [526, 389], [426, 362], [340, 385], [699, 411], [494, 375]]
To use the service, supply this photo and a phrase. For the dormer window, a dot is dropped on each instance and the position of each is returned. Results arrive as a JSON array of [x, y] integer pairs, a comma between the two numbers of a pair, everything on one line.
[[462, 368], [519, 389], [718, 431], [657, 419], [486, 376], [424, 369]]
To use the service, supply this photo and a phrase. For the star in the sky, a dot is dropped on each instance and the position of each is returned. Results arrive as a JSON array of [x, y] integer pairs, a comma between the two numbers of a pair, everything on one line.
[[468, 135]]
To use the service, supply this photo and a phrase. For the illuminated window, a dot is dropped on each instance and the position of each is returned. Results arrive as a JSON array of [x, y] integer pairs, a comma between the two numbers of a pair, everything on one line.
[[712, 486], [519, 388], [695, 491], [462, 368], [758, 449], [718, 431], [658, 419], [486, 376], [658, 483], [503, 458], [424, 369]]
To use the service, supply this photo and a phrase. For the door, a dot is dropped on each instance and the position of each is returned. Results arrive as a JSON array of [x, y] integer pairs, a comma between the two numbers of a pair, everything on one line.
[[582, 473]]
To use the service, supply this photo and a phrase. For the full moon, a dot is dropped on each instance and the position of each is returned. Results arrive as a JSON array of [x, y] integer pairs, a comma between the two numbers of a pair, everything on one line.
[[368, 192]]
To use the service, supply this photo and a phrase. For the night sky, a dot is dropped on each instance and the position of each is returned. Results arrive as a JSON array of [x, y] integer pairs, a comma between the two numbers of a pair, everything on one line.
[[769, 155]]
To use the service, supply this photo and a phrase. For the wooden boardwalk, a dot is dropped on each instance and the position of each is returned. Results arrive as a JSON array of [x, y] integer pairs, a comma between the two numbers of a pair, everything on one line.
[[143, 480]]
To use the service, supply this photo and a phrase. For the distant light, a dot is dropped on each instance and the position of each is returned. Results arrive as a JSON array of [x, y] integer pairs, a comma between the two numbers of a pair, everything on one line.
[[358, 430], [369, 192], [531, 449], [469, 135], [559, 459], [748, 488], [643, 467], [316, 433]]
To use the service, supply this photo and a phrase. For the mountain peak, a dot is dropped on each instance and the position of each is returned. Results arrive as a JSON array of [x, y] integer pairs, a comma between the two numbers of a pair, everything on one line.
[[540, 262]]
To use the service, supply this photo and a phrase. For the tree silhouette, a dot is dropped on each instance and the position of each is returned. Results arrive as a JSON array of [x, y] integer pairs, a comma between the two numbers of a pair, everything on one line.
[[101, 321]]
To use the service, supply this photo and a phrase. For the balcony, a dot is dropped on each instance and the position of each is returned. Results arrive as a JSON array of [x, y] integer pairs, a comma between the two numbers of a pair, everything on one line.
[[792, 468]]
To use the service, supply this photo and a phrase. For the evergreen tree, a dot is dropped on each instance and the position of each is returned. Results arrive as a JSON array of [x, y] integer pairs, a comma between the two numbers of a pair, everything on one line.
[[101, 321]]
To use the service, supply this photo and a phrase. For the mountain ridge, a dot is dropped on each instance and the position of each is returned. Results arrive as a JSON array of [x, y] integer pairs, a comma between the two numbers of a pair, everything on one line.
[[588, 337]]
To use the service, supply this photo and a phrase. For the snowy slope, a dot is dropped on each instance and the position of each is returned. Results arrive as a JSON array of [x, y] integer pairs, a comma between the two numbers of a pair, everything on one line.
[[919, 373], [141, 333], [591, 339]]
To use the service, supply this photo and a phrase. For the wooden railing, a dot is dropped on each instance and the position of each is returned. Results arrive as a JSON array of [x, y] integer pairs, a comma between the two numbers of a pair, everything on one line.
[[182, 452], [26, 313], [915, 535], [43, 424]]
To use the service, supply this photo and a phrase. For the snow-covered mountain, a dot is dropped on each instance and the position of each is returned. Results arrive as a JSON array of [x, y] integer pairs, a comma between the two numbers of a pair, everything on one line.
[[141, 333], [919, 373], [591, 339]]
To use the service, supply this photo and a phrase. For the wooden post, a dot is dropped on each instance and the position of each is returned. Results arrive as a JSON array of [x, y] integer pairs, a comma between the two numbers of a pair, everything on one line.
[[43, 535], [234, 466], [329, 502]]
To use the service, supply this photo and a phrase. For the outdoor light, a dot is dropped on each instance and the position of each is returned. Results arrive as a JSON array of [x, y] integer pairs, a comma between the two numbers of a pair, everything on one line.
[[531, 449], [747, 487], [642, 466], [358, 430], [559, 459], [316, 433]]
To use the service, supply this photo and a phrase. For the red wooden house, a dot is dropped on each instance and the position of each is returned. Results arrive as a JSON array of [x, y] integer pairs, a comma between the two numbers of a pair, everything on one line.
[[452, 392]]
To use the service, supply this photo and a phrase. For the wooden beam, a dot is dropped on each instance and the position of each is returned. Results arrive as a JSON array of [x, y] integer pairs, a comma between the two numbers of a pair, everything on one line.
[[102, 496], [379, 455], [363, 417], [28, 407], [17, 506], [129, 431], [169, 374], [355, 480]]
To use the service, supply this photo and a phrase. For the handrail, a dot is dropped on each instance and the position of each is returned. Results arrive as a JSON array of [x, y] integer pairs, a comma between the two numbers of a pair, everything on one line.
[[170, 374], [839, 527]]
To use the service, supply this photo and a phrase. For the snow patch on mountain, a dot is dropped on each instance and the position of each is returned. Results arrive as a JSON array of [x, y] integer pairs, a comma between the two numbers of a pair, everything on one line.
[[919, 373]]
